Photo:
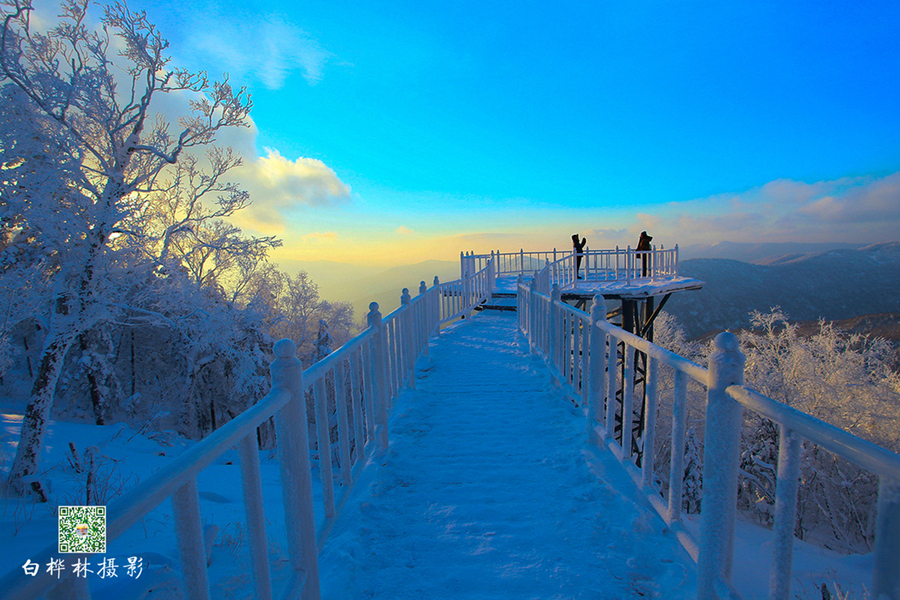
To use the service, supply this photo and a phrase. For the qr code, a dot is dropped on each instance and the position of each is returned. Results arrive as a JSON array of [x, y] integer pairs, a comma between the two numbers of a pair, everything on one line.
[[82, 529]]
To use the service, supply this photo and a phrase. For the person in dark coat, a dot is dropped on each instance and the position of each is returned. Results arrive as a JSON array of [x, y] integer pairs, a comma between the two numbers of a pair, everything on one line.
[[578, 249], [644, 246]]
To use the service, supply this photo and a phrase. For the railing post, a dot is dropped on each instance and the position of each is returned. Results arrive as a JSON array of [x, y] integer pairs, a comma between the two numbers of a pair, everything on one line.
[[675, 268], [676, 466], [648, 440], [721, 457], [587, 262], [296, 477], [471, 292], [533, 315], [356, 401], [379, 375], [617, 264], [520, 305], [340, 401], [492, 277], [408, 335], [425, 318], [786, 488], [251, 484], [323, 441], [886, 575], [612, 372], [189, 534], [596, 371], [629, 260], [436, 308], [555, 334], [522, 259]]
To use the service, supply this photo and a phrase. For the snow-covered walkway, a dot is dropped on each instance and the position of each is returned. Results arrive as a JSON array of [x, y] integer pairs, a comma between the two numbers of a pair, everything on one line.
[[489, 490]]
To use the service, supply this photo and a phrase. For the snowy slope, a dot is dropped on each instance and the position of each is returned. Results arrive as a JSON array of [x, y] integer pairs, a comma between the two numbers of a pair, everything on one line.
[[489, 491]]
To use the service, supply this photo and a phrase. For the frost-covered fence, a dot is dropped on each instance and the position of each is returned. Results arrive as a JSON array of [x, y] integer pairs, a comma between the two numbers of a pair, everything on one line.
[[508, 263], [357, 384], [588, 355], [618, 264], [458, 298]]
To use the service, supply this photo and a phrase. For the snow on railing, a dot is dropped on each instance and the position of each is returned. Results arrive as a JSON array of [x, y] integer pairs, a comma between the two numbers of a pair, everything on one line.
[[508, 263], [358, 382], [619, 264], [458, 298], [584, 352]]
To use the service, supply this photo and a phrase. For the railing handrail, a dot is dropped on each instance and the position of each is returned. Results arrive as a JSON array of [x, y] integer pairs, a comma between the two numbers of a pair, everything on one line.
[[316, 370], [459, 298], [663, 261], [574, 345], [560, 267], [862, 453], [381, 362]]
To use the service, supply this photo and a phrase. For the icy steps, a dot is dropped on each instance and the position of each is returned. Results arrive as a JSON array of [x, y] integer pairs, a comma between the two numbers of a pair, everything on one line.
[[503, 301]]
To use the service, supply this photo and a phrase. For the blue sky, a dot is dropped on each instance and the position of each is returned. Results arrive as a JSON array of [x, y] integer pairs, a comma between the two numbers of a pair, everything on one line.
[[392, 132]]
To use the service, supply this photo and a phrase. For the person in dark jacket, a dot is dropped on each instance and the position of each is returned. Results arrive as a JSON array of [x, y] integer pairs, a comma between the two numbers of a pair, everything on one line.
[[578, 249], [644, 246]]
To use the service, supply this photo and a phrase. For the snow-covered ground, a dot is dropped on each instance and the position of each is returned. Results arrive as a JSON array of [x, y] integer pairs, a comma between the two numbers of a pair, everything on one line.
[[489, 490]]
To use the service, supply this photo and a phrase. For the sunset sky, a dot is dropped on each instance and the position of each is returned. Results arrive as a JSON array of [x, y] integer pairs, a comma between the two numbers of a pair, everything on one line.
[[394, 132]]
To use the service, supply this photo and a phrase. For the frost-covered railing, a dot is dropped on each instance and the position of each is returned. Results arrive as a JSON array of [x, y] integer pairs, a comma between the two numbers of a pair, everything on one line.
[[458, 298], [585, 353], [625, 264], [507, 263], [357, 383]]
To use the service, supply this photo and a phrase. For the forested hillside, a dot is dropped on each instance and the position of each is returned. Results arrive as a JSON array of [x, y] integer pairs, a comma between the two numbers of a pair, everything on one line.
[[836, 284]]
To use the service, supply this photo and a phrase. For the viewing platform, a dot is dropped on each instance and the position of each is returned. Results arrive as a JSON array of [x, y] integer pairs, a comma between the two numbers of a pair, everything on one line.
[[627, 275], [611, 289]]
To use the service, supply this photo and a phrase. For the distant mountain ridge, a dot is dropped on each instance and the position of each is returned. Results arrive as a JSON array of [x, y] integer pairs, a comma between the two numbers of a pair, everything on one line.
[[385, 287], [758, 253], [831, 284], [360, 285], [883, 325]]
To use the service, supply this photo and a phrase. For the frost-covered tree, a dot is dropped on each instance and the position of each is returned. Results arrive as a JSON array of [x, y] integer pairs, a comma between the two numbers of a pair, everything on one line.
[[693, 473], [323, 341], [182, 223], [99, 109], [301, 308], [843, 379]]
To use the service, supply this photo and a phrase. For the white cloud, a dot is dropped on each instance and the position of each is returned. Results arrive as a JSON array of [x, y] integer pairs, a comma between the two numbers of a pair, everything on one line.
[[865, 202], [303, 181], [278, 185], [403, 230], [268, 49], [856, 209]]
